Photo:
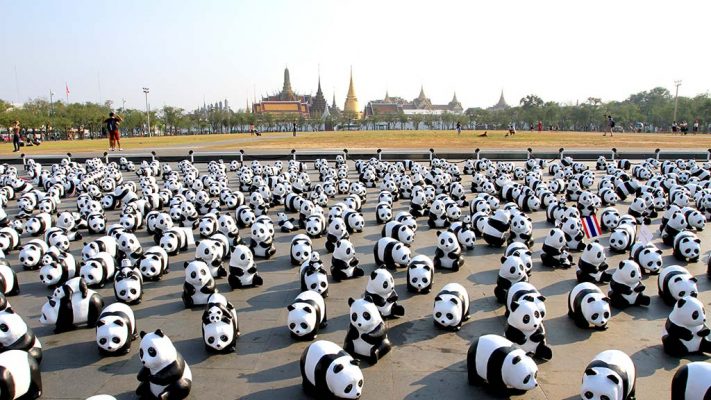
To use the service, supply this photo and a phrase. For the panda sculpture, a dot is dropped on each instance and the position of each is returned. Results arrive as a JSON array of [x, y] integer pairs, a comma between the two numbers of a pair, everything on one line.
[[399, 232], [313, 275], [164, 374], [128, 285], [381, 290], [9, 284], [213, 252], [609, 219], [71, 305], [383, 213], [97, 270], [285, 223], [519, 249], [391, 253], [307, 315], [31, 254], [524, 291], [105, 244], [20, 376], [420, 274], [367, 336], [525, 328], [300, 250], [685, 331], [328, 372], [451, 307], [220, 326], [199, 284], [626, 288], [647, 256], [344, 263], [115, 330], [623, 237], [466, 236], [496, 228], [337, 230], [243, 270], [262, 240], [687, 247], [521, 230], [574, 234], [129, 247], [154, 263], [448, 254], [511, 271], [674, 226], [610, 375], [16, 335], [592, 265], [674, 283], [495, 361], [555, 251], [692, 381], [587, 306]]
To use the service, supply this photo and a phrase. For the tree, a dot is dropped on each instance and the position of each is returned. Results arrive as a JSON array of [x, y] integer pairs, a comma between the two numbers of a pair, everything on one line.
[[531, 101]]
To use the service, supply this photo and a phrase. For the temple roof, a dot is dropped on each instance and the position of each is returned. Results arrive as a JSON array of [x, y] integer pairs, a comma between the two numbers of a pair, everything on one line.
[[501, 105]]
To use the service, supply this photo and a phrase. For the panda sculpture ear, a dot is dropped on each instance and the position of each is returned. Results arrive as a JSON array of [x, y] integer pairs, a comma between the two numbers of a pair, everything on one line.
[[590, 300], [453, 300], [503, 258], [514, 306], [680, 303], [185, 265], [338, 368], [290, 307], [308, 309], [350, 301], [159, 333], [614, 379], [355, 362], [368, 298], [118, 322], [439, 233], [142, 334], [516, 360], [373, 274], [693, 279]]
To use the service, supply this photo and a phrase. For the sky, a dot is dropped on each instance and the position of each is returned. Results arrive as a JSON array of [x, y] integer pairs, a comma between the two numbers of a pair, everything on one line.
[[187, 51]]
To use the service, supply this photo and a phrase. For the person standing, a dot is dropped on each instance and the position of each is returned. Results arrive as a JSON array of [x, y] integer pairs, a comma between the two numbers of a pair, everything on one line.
[[459, 128], [610, 125], [512, 130], [695, 128], [16, 136], [294, 129], [112, 126], [540, 125]]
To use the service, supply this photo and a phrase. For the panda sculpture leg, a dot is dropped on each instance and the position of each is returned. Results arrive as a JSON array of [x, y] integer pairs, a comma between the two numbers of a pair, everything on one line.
[[378, 351]]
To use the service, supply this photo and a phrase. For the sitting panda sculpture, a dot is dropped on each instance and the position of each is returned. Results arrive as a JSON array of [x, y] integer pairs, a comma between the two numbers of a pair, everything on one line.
[[115, 330], [626, 288], [164, 374], [367, 336], [307, 315], [381, 289], [685, 331], [525, 328]]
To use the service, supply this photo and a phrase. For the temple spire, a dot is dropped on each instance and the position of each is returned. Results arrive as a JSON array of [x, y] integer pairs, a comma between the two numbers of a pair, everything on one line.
[[351, 105], [422, 93]]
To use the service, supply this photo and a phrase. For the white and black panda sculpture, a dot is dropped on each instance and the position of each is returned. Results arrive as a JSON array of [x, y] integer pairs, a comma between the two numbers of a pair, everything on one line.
[[16, 335], [511, 271], [262, 240], [524, 291], [213, 252], [525, 328], [494, 361], [31, 254], [626, 288], [20, 376], [451, 307], [555, 251], [685, 331], [199, 284], [381, 289], [391, 253], [72, 305], [106, 244], [164, 374], [464, 232], [647, 256], [300, 249], [692, 381], [588, 306], [344, 263], [328, 372], [128, 285], [367, 336], [243, 270], [687, 247], [307, 315], [98, 270], [9, 284], [154, 263], [220, 326], [313, 275], [449, 253], [592, 265], [115, 330], [610, 375], [337, 230], [496, 228], [675, 282], [420, 274]]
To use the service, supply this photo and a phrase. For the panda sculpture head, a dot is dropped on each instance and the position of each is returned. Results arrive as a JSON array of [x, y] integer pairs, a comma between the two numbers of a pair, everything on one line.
[[50, 311], [650, 258], [610, 218], [302, 318], [355, 221], [420, 272], [620, 239], [681, 285], [96, 222], [128, 283], [344, 378], [447, 242], [627, 273], [677, 221], [594, 254], [596, 309], [260, 232], [555, 239], [150, 265], [384, 211], [314, 276], [301, 248], [51, 273], [525, 316], [513, 269], [364, 315], [128, 243], [520, 223], [688, 245], [688, 312], [12, 327], [112, 334], [197, 273], [241, 256], [170, 242], [344, 250], [156, 351], [381, 282], [57, 238], [31, 255]]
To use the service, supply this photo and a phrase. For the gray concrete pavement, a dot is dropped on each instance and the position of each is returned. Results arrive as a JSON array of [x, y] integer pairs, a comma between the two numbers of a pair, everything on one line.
[[424, 362]]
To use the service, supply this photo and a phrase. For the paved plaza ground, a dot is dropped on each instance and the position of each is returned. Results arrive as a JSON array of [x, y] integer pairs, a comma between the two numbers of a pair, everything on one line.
[[425, 362]]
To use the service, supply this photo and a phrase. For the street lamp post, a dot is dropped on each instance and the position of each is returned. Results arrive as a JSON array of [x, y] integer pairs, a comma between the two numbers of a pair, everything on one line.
[[51, 102], [123, 105], [148, 112], [676, 97]]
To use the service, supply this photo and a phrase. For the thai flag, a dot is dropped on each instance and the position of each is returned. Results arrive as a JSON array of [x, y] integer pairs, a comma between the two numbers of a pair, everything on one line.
[[591, 226]]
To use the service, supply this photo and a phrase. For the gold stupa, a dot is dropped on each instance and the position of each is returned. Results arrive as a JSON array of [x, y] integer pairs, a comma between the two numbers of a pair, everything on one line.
[[351, 107]]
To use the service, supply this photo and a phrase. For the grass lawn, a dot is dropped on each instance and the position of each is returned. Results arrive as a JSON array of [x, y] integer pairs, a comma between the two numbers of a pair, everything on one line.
[[355, 140]]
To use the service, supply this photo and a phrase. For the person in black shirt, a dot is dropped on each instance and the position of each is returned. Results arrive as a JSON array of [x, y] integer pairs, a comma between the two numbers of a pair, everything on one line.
[[112, 126], [16, 136], [610, 125]]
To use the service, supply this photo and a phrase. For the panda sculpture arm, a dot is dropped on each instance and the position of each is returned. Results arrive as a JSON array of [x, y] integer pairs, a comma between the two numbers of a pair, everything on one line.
[[189, 289], [352, 334], [538, 336], [353, 262], [378, 300], [439, 253], [376, 335], [143, 374], [678, 331], [209, 288], [393, 297], [515, 335], [704, 332]]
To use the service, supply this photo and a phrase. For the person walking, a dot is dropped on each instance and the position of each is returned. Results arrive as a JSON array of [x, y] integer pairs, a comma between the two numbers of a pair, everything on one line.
[[112, 126], [610, 125], [459, 128], [16, 136], [512, 130], [294, 128]]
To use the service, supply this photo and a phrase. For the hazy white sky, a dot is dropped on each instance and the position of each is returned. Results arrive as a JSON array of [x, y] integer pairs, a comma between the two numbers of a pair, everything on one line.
[[187, 50]]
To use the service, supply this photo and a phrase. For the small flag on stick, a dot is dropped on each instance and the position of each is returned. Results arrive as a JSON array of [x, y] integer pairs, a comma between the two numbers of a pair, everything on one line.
[[590, 226]]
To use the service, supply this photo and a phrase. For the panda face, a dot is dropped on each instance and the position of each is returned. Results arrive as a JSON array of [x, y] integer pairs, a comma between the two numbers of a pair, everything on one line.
[[520, 371], [682, 286], [314, 225], [594, 254], [300, 251], [50, 274], [316, 280], [12, 327], [381, 282], [169, 242], [156, 351], [50, 312], [111, 333], [344, 378], [218, 335], [677, 221], [60, 241], [150, 266], [689, 312], [447, 242], [651, 260], [344, 250], [525, 316], [260, 232], [628, 272], [197, 273], [30, 255], [241, 256], [521, 224], [356, 221], [689, 247], [208, 250], [448, 310], [301, 319], [513, 269], [364, 315], [596, 309], [92, 272], [619, 239]]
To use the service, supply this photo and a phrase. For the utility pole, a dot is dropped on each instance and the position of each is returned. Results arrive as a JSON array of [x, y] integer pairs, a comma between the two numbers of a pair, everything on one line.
[[676, 98], [148, 112], [123, 105], [51, 103]]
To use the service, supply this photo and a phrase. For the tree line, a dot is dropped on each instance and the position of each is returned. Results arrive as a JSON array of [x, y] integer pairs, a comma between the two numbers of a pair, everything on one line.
[[650, 111]]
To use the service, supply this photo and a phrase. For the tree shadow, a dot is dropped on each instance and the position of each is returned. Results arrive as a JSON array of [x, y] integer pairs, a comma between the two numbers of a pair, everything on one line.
[[70, 356], [562, 330]]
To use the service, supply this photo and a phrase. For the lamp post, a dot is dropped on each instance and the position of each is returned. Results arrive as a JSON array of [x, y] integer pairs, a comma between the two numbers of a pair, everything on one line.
[[123, 105], [51, 102], [148, 112], [676, 97]]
